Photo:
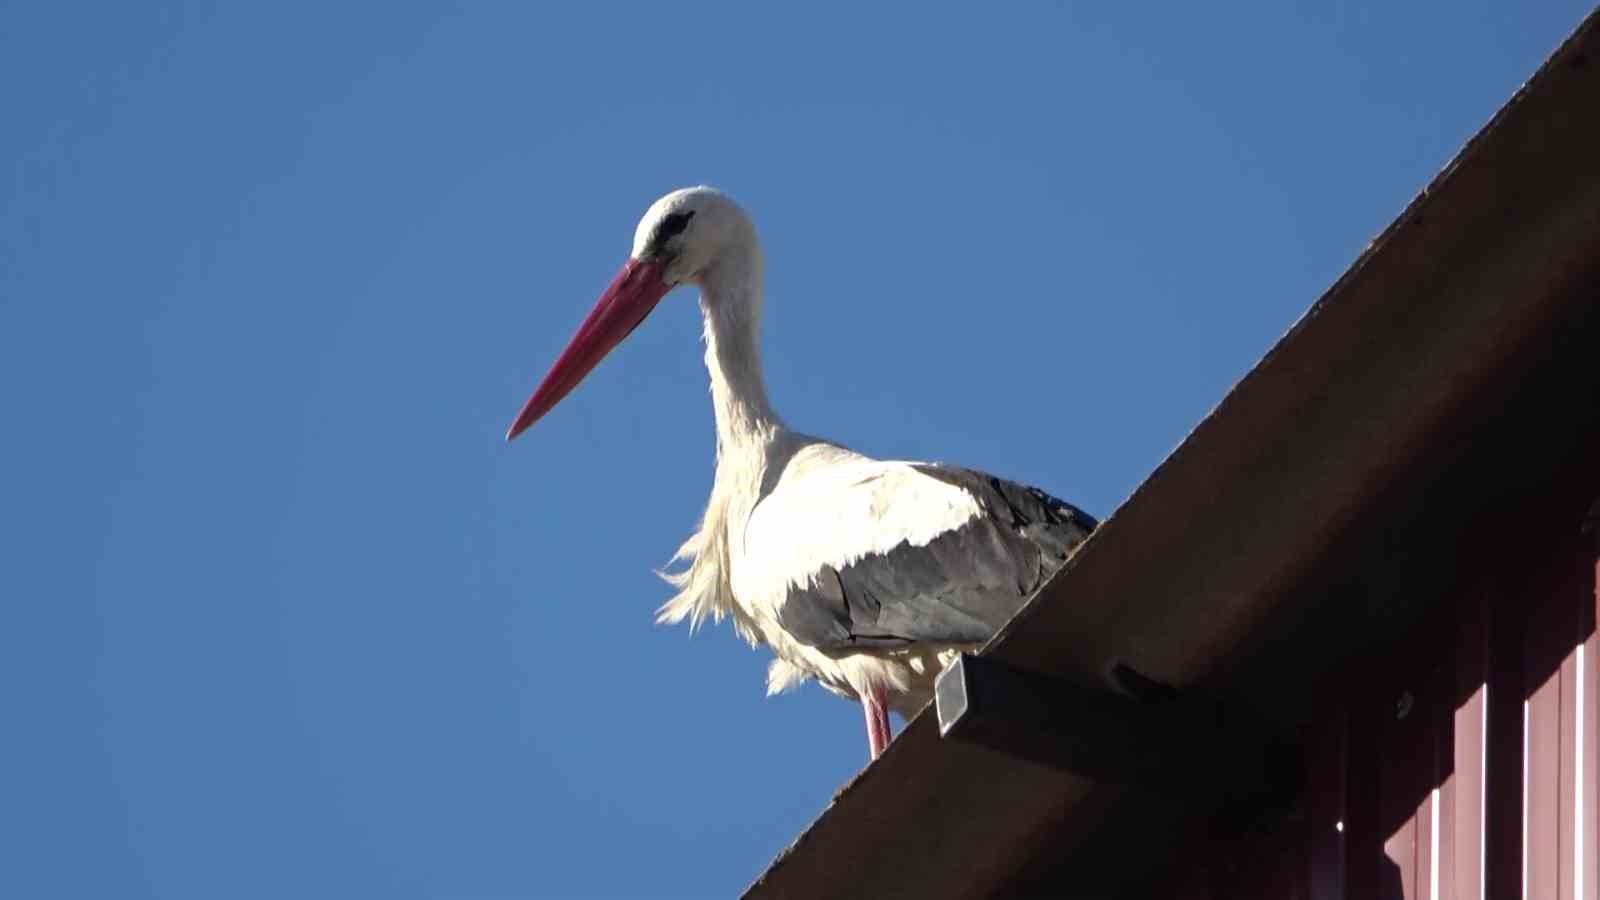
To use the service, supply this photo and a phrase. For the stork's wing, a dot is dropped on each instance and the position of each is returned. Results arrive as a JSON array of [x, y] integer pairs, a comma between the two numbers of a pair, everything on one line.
[[877, 554]]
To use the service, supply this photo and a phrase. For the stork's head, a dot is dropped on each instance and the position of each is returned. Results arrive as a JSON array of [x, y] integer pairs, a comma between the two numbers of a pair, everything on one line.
[[682, 237], [690, 230]]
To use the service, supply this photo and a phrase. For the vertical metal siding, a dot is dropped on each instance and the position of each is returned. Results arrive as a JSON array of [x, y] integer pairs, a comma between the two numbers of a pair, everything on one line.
[[1465, 765], [1588, 839], [1555, 600], [1503, 757], [1469, 749], [1324, 824]]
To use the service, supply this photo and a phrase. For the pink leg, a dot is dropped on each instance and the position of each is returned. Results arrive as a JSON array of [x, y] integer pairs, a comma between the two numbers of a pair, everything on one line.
[[877, 711]]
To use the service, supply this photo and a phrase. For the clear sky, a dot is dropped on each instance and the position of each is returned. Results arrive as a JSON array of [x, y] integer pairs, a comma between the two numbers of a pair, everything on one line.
[[282, 613]]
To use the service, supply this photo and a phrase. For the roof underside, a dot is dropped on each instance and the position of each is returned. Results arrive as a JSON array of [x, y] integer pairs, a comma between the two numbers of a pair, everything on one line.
[[1315, 512]]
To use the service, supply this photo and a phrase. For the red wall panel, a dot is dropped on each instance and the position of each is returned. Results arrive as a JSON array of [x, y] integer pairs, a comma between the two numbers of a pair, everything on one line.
[[1436, 772]]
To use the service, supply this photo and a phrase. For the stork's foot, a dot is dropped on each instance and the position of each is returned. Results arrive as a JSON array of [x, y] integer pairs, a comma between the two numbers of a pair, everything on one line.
[[874, 704]]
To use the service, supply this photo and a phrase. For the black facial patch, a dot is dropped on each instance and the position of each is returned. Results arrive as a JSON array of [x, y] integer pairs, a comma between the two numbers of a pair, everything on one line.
[[671, 226]]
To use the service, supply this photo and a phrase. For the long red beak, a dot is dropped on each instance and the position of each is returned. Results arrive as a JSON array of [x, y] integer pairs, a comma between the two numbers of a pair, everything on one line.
[[632, 294]]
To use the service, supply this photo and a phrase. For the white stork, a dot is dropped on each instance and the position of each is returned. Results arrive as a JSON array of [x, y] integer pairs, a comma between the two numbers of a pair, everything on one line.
[[867, 575]]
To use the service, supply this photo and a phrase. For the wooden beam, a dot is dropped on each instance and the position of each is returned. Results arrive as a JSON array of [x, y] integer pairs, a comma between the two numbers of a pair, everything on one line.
[[1305, 515]]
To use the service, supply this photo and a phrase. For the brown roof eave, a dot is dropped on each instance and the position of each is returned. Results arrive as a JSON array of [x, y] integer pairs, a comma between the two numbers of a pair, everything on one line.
[[1411, 348]]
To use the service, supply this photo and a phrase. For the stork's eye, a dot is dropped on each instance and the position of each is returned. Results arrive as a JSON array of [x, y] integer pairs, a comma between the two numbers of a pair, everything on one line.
[[669, 227], [673, 225]]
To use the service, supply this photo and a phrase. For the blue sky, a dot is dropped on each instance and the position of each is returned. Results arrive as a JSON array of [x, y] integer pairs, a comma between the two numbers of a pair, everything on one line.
[[283, 614]]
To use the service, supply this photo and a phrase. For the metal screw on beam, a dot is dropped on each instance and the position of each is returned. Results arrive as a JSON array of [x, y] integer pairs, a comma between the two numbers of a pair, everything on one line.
[[1403, 705], [1216, 754]]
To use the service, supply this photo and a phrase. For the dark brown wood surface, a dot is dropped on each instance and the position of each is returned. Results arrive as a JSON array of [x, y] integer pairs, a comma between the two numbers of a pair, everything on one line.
[[1452, 366]]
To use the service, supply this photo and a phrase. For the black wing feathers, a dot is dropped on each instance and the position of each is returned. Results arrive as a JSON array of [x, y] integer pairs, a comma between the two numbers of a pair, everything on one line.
[[959, 588]]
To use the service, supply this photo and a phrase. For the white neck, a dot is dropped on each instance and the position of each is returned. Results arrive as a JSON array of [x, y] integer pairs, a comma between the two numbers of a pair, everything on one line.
[[730, 300]]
